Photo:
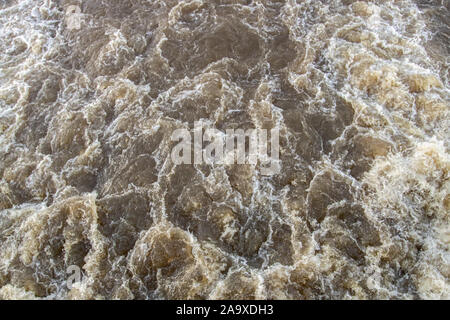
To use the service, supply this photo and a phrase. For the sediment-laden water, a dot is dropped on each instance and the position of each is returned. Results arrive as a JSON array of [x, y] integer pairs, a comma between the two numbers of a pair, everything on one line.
[[358, 90]]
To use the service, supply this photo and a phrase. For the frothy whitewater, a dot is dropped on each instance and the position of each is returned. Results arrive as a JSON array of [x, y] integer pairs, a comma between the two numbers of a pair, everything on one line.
[[91, 91]]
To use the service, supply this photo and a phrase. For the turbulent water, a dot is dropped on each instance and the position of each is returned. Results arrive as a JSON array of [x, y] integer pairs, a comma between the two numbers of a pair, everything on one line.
[[359, 91]]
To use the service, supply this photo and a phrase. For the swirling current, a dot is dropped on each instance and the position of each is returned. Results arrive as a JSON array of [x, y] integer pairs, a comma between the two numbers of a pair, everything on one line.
[[91, 91]]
